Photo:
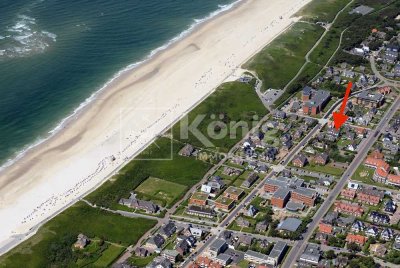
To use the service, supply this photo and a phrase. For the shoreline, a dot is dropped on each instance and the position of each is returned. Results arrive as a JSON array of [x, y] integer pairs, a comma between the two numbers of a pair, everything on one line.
[[85, 105], [110, 169]]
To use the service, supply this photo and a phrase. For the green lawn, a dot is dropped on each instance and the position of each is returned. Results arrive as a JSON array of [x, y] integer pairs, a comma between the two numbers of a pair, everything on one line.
[[322, 10], [363, 174], [52, 244], [215, 119], [108, 256], [324, 169], [279, 62], [158, 189], [185, 171], [139, 261]]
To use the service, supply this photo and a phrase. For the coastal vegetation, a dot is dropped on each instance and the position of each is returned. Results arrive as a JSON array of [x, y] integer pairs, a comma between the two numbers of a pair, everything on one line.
[[166, 192], [231, 103], [280, 61], [321, 10], [185, 171], [52, 245]]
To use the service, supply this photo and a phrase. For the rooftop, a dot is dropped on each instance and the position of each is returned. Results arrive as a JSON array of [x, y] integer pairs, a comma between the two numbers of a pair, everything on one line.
[[281, 193], [200, 196], [224, 200], [233, 190], [289, 224]]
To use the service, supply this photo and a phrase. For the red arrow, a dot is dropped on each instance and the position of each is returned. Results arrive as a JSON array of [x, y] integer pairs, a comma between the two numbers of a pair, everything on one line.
[[340, 118]]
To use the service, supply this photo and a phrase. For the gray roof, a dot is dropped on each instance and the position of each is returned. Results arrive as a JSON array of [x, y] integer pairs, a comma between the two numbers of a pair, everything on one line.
[[362, 10], [370, 96], [289, 224], [281, 193], [318, 97], [311, 254], [294, 206], [217, 244], [305, 191], [224, 257], [278, 249], [256, 254]]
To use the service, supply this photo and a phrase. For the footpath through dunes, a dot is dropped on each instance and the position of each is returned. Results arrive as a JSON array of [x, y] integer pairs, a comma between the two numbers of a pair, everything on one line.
[[131, 112]]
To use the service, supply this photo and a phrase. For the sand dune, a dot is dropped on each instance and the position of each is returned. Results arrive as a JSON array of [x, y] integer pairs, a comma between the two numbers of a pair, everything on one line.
[[131, 112]]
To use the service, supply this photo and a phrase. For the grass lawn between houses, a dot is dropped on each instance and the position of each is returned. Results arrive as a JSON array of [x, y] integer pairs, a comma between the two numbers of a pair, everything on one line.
[[52, 244], [158, 189], [324, 169]]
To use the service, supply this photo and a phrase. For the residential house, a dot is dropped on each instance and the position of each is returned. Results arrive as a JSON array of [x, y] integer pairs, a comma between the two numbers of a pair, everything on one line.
[[348, 193], [348, 208], [168, 229], [369, 99], [372, 231], [370, 196], [82, 241], [358, 239], [321, 159], [378, 250], [155, 242], [358, 226], [311, 254], [379, 218], [135, 203], [251, 179], [262, 226], [223, 203], [233, 193], [187, 150], [277, 253], [199, 198], [300, 160], [241, 222], [217, 247], [325, 228], [387, 234], [252, 211], [255, 257], [200, 211], [171, 255]]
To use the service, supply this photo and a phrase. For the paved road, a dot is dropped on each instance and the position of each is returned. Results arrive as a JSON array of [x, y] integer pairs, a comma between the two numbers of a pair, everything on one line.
[[362, 153]]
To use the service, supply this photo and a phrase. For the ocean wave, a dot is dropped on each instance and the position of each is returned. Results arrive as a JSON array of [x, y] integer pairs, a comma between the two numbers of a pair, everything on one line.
[[24, 38], [74, 114]]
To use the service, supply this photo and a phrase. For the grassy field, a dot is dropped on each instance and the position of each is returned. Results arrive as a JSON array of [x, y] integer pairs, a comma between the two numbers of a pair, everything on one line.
[[181, 170], [108, 256], [363, 174], [52, 244], [279, 62], [324, 169], [322, 10], [231, 103], [158, 189]]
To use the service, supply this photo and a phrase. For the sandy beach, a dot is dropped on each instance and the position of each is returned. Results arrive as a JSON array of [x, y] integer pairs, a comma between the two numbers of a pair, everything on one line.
[[130, 112]]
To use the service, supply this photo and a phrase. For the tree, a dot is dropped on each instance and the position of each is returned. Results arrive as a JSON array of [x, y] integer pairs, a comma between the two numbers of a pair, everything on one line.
[[330, 254], [353, 247]]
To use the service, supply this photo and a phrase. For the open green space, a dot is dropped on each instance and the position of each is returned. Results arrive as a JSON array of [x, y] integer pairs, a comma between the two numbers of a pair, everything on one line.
[[140, 261], [158, 189], [185, 171], [108, 256], [363, 174], [52, 245], [322, 10], [279, 62], [222, 119], [324, 169]]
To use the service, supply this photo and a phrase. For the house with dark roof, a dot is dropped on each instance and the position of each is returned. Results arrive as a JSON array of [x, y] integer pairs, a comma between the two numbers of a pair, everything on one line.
[[321, 159], [300, 160]]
